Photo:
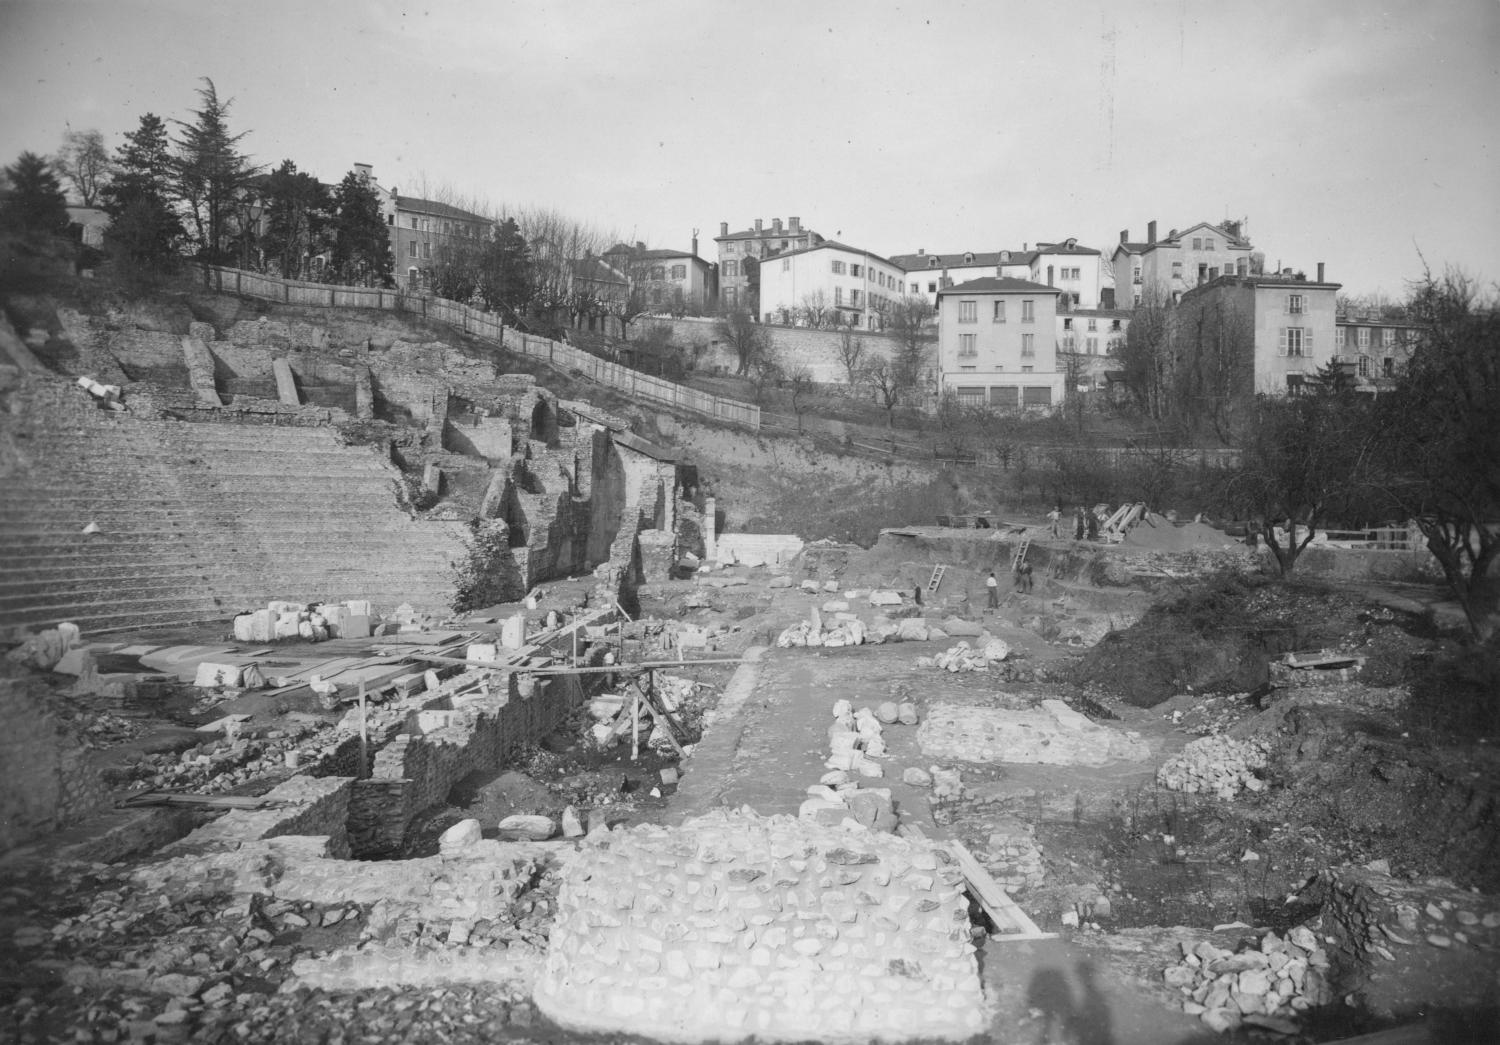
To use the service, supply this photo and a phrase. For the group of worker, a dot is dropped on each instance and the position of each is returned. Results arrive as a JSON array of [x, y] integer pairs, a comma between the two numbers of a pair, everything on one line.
[[1085, 523]]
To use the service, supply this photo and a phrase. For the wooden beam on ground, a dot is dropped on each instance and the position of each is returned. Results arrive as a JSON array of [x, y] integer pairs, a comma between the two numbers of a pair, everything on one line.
[[1011, 922], [183, 798]]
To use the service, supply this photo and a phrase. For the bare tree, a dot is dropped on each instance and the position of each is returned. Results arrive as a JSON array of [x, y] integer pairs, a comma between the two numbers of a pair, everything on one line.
[[763, 370], [1214, 345], [814, 311], [1148, 355], [84, 161], [798, 381], [1075, 399], [1302, 463], [749, 340], [558, 296], [851, 352], [1440, 439]]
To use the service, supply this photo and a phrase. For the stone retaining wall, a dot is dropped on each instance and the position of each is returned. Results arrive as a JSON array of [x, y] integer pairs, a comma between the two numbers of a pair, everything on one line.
[[415, 771], [734, 926], [46, 781], [302, 805]]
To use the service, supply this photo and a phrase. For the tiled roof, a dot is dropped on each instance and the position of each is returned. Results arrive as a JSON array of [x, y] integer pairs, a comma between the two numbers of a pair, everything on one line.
[[827, 244], [1063, 248], [998, 285], [986, 259], [413, 204], [649, 254]]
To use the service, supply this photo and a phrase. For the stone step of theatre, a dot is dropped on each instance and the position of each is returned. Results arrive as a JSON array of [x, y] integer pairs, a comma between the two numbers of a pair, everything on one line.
[[195, 519]]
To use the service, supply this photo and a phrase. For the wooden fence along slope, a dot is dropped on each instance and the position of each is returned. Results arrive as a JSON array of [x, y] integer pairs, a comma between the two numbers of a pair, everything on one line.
[[487, 327]]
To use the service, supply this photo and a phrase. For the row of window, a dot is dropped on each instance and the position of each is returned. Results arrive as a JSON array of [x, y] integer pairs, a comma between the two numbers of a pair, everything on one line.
[[1388, 337], [967, 347], [968, 311], [448, 228], [1008, 396], [1070, 273], [1204, 243], [660, 272], [1093, 323]]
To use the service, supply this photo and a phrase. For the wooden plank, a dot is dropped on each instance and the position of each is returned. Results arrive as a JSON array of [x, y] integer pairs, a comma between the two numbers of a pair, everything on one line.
[[182, 798], [1008, 918]]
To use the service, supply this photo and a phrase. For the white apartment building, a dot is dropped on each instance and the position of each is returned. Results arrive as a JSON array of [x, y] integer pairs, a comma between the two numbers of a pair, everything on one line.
[[855, 285], [997, 343]]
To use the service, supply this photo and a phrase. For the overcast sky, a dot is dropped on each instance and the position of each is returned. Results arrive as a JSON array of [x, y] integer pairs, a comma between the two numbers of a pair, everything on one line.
[[1355, 133]]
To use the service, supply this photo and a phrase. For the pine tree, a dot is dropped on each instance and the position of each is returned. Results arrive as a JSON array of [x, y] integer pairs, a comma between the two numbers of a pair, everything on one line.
[[298, 211], [505, 270], [35, 203], [211, 172], [144, 229], [361, 243]]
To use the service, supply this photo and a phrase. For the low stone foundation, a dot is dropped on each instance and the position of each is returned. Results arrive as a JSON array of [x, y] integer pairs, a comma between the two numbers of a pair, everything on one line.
[[1052, 734], [734, 926], [299, 806]]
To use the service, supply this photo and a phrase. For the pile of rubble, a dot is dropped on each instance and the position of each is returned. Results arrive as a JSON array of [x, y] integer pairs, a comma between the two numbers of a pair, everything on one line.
[[1262, 985], [1217, 765], [856, 740], [320, 621], [222, 763], [963, 657]]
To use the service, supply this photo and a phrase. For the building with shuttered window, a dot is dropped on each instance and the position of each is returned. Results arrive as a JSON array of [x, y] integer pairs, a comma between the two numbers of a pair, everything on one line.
[[997, 343]]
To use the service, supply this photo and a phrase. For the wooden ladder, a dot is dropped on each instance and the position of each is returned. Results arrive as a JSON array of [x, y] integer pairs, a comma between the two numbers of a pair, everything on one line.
[[1020, 556], [937, 578]]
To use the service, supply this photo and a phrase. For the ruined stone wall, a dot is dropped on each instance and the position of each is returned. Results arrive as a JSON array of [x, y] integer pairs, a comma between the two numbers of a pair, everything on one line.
[[46, 781], [303, 805], [417, 770]]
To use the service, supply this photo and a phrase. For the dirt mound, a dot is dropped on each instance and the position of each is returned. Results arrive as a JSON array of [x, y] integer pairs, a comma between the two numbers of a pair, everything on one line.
[[1158, 535], [1221, 634]]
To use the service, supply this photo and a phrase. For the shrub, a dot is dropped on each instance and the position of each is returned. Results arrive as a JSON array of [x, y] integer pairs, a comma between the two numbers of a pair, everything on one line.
[[1458, 691]]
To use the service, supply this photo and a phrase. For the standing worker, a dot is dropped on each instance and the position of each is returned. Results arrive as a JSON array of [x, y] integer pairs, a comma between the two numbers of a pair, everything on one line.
[[1078, 524], [992, 586], [1023, 577], [1055, 518]]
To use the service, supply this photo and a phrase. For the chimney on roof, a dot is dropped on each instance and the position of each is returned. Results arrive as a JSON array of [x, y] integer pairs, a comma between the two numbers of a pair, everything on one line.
[[776, 225], [723, 228], [640, 245], [1049, 275], [1320, 272], [1151, 231], [1124, 235], [364, 170], [695, 243], [921, 251], [758, 225], [795, 222]]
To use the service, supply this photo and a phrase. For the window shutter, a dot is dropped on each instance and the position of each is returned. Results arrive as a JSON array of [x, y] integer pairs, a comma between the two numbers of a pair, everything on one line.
[[1286, 305], [1281, 348], [1307, 349]]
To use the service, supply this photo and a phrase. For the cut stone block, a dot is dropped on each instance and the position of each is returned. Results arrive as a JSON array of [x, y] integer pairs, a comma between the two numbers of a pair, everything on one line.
[[356, 626], [527, 827], [513, 631]]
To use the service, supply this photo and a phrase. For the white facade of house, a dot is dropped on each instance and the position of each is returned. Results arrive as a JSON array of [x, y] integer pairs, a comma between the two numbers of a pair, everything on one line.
[[1185, 259], [1294, 323], [857, 286], [997, 343], [1075, 270]]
